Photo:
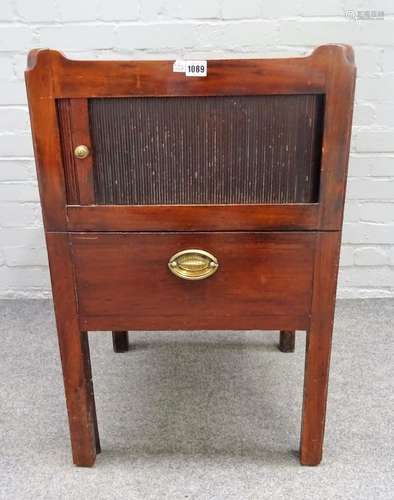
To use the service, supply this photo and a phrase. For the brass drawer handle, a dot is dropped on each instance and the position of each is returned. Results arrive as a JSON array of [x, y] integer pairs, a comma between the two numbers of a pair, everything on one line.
[[193, 264]]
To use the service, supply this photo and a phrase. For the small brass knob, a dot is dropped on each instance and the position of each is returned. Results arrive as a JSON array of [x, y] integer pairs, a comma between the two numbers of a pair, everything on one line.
[[81, 152]]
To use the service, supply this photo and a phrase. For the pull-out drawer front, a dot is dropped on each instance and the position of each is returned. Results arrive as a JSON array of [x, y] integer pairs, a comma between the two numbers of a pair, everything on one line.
[[263, 281]]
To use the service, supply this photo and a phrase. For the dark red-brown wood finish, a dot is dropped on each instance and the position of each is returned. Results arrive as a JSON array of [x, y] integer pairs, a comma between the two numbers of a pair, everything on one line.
[[251, 169]]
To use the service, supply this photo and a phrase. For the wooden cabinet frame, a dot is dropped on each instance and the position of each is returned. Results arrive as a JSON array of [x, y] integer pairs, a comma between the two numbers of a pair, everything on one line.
[[328, 71]]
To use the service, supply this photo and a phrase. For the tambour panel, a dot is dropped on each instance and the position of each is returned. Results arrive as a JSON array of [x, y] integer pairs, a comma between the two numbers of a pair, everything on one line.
[[206, 150]]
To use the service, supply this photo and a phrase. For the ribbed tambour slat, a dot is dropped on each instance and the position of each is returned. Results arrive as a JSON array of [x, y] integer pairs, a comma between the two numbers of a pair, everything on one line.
[[195, 150]]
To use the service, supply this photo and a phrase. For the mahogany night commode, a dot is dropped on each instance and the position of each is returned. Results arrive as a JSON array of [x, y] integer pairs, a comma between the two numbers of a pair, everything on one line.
[[192, 203]]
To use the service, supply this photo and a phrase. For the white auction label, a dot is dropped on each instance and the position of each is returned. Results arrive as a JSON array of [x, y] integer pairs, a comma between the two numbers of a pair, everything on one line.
[[196, 68]]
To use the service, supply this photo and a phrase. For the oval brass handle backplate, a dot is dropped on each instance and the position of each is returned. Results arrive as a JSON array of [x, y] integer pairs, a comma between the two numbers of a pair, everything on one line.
[[193, 264]]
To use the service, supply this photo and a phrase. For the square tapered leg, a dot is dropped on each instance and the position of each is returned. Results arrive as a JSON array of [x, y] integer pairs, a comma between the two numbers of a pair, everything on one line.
[[120, 341], [74, 352], [318, 349], [287, 341]]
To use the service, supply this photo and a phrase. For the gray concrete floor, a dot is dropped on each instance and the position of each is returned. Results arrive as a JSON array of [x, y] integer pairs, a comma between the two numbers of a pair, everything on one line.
[[201, 415]]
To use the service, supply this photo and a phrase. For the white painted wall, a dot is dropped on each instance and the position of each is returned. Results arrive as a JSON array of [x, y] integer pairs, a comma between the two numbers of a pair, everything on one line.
[[206, 29]]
